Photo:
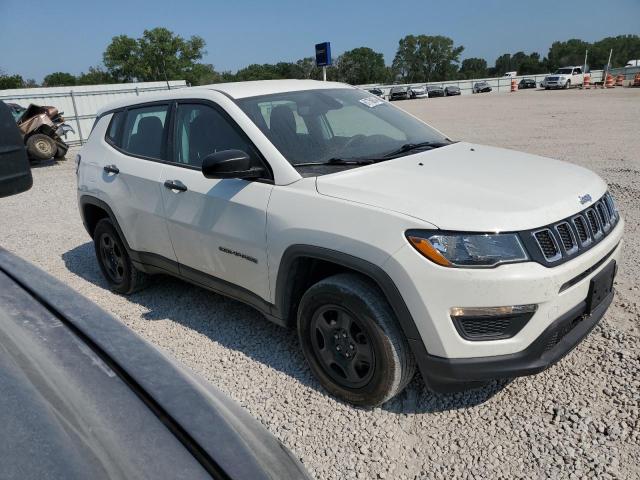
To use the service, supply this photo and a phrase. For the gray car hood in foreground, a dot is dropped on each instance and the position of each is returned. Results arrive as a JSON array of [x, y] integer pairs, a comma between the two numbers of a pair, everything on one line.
[[82, 397], [469, 187]]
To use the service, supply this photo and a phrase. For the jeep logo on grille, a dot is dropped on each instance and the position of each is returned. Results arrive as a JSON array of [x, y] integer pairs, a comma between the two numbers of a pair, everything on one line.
[[584, 198]]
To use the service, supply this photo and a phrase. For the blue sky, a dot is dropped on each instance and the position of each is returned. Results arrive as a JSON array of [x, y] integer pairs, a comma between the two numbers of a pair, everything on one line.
[[71, 35]]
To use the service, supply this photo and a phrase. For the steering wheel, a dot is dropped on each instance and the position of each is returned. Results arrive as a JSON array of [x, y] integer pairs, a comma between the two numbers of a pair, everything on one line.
[[356, 138]]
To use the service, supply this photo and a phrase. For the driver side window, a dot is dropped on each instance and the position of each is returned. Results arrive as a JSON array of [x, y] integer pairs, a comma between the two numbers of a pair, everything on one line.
[[201, 130]]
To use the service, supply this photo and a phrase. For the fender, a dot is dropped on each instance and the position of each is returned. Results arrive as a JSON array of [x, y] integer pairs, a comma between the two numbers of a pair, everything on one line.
[[377, 274]]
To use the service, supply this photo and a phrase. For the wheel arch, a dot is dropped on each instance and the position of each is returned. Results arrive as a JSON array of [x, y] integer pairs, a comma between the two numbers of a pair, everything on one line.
[[303, 265], [93, 210]]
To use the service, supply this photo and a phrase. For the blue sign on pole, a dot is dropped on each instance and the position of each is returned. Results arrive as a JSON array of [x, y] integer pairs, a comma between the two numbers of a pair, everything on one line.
[[323, 54]]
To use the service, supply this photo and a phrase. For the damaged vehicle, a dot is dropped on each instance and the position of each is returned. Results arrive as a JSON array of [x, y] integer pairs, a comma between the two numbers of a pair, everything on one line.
[[43, 129]]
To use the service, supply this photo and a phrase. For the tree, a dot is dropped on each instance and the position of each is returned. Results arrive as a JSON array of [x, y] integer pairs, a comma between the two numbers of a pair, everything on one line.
[[519, 62], [158, 55], [59, 79], [566, 53], [361, 66], [426, 58], [625, 48], [10, 81], [95, 76], [473, 68]]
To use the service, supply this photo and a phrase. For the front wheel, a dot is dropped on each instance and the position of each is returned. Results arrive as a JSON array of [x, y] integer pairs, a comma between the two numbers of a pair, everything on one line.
[[351, 339], [41, 147], [567, 85]]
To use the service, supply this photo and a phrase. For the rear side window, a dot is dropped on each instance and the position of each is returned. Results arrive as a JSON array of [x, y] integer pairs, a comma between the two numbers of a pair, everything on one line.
[[114, 127], [144, 131]]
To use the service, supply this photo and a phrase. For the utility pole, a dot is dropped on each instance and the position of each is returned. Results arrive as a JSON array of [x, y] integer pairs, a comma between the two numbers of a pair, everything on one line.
[[324, 73], [584, 69]]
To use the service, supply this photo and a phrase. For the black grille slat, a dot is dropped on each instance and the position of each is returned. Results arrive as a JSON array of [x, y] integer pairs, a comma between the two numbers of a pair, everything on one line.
[[593, 222], [603, 214], [581, 228], [556, 243], [547, 244], [566, 236]]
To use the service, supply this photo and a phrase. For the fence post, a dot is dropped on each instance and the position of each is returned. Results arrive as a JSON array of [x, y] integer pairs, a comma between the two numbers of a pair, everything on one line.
[[75, 113], [137, 92]]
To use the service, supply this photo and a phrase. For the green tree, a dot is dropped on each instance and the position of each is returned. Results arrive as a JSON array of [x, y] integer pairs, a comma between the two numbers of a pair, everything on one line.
[[95, 76], [427, 58], [625, 48], [566, 53], [473, 68], [361, 66], [59, 79], [519, 62], [11, 81], [158, 55]]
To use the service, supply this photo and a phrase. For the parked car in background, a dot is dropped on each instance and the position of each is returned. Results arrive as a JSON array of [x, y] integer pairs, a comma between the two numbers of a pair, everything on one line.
[[435, 91], [527, 83], [511, 74], [452, 90], [419, 92], [565, 77], [633, 63], [43, 129], [481, 87], [376, 91], [84, 397], [400, 93]]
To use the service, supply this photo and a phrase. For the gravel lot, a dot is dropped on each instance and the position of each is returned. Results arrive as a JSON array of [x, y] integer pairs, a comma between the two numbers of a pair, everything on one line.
[[577, 420]]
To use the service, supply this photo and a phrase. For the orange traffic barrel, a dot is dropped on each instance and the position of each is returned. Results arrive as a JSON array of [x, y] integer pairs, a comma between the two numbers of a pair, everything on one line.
[[609, 83], [514, 85], [586, 83], [636, 80], [620, 81]]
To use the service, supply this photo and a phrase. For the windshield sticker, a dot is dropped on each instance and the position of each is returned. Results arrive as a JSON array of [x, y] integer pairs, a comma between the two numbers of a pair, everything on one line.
[[371, 101]]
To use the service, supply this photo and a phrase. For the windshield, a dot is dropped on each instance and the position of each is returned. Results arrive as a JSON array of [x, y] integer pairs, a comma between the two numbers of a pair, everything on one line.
[[327, 125], [564, 71]]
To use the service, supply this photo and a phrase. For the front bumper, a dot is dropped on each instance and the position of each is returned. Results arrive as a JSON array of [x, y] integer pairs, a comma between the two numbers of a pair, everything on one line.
[[562, 336]]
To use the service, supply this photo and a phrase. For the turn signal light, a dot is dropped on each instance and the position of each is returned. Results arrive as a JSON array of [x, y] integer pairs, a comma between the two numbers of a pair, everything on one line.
[[428, 250]]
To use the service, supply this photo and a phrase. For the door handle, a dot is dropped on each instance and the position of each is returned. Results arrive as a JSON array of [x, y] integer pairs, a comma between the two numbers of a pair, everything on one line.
[[175, 185], [111, 169]]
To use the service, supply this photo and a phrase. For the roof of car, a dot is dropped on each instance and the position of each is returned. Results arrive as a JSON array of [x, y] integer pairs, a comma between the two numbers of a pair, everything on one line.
[[235, 90]]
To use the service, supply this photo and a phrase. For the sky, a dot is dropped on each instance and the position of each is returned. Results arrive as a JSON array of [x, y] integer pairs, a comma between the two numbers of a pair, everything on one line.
[[39, 37]]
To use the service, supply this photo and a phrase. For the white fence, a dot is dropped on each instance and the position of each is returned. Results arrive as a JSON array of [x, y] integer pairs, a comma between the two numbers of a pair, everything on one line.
[[81, 103]]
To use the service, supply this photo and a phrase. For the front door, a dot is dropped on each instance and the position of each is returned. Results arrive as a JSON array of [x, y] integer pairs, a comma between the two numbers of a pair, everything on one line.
[[217, 227]]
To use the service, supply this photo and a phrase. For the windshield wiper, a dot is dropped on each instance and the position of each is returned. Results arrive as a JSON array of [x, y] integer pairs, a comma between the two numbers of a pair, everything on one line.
[[408, 147], [337, 161]]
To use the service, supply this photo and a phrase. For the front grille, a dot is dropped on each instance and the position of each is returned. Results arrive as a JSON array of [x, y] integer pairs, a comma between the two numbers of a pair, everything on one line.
[[555, 243], [484, 327], [548, 245]]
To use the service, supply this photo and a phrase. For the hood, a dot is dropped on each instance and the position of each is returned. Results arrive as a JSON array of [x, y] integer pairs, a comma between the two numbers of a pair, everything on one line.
[[470, 187]]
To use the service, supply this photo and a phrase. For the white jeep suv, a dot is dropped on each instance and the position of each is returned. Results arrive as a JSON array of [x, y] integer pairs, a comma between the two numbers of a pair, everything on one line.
[[383, 242]]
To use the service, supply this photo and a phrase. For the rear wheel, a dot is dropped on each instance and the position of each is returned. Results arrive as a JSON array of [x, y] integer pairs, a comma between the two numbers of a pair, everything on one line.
[[114, 260], [351, 339], [41, 147]]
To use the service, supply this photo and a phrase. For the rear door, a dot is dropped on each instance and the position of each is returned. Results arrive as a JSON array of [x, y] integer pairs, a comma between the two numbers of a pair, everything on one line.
[[131, 176], [217, 226]]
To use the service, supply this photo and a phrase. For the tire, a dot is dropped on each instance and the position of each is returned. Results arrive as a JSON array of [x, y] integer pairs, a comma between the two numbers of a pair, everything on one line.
[[567, 85], [352, 341], [41, 147], [113, 258], [61, 151]]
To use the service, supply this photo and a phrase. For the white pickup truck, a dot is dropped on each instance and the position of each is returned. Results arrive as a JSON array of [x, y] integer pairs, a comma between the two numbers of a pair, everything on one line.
[[565, 77]]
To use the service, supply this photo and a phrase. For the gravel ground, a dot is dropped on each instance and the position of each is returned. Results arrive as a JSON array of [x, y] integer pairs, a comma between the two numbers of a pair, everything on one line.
[[576, 420]]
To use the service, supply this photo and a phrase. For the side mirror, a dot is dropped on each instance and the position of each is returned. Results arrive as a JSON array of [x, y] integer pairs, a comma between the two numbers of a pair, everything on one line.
[[15, 171], [230, 164]]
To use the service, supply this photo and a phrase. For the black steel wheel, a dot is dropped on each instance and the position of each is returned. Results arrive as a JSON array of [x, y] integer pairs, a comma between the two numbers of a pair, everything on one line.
[[342, 345], [114, 260], [352, 341]]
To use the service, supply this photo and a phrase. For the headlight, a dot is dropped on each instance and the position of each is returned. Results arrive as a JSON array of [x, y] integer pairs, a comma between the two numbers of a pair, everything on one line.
[[471, 250]]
